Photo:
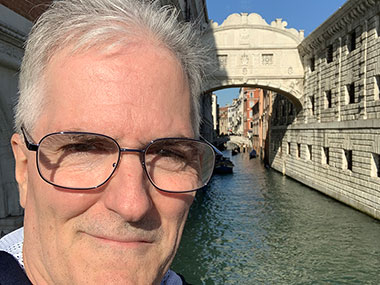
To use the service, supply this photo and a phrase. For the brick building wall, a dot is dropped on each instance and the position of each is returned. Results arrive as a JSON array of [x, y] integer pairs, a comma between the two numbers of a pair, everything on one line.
[[223, 120], [13, 32], [333, 144], [251, 97]]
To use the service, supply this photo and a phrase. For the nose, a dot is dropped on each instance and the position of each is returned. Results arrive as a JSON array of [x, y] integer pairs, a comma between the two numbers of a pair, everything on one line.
[[128, 191]]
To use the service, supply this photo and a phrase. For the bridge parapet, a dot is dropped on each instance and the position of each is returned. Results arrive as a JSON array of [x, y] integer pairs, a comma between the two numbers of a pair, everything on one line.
[[240, 141]]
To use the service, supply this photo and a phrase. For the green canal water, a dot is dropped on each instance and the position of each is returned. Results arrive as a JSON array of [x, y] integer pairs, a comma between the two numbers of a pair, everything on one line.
[[259, 227]]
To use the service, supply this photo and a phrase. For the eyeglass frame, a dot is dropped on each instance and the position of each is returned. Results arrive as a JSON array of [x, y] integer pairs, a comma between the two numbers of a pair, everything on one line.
[[34, 147]]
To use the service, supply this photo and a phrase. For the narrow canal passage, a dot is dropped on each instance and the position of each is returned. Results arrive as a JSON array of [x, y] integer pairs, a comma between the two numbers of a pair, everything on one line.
[[258, 227]]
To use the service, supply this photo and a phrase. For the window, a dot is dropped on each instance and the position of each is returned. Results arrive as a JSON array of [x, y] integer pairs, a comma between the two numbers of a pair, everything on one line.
[[328, 99], [375, 165], [291, 110], [330, 54], [298, 150], [310, 152], [267, 59], [312, 64], [347, 159], [352, 41], [312, 104], [325, 155], [376, 90], [289, 150], [350, 93]]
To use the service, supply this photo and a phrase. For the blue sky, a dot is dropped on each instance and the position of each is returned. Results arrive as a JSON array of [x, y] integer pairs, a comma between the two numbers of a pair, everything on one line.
[[304, 15]]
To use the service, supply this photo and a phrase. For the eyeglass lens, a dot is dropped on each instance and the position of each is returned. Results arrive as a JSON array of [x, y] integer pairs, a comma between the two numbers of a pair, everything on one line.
[[77, 160], [84, 161]]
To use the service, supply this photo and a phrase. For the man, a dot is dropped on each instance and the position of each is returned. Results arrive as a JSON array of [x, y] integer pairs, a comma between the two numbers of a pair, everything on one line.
[[107, 159]]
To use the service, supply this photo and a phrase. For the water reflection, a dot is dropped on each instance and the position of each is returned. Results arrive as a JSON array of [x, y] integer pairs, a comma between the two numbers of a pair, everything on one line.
[[258, 227]]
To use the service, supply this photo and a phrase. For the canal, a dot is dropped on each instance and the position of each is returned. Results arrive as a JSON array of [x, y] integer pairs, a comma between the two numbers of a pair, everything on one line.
[[259, 227]]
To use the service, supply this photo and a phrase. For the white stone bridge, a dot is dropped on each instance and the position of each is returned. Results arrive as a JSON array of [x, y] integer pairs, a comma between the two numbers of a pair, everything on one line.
[[252, 53], [240, 141]]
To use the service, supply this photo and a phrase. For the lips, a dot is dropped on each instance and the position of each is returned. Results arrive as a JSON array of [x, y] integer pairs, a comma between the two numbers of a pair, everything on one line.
[[131, 240]]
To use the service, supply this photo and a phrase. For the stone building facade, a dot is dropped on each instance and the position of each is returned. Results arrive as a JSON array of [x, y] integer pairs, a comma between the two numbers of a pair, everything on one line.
[[223, 120], [16, 17], [261, 121], [251, 97], [333, 143], [215, 113], [14, 27], [235, 116]]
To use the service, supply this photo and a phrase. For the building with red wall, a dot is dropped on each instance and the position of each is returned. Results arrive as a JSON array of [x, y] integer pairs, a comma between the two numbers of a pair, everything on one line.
[[251, 98]]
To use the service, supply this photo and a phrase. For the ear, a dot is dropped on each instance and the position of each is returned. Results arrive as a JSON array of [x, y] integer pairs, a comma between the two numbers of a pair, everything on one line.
[[21, 168]]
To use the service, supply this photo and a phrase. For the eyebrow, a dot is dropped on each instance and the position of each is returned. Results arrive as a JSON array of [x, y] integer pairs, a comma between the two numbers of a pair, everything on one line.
[[118, 138]]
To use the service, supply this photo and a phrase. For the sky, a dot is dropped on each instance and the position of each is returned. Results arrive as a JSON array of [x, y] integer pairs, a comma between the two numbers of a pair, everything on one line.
[[304, 15]]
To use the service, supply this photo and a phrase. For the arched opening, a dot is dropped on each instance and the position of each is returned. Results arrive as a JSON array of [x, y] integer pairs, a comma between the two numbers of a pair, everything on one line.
[[247, 118]]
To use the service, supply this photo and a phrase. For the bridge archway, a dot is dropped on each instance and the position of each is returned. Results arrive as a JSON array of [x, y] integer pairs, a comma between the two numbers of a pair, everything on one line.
[[250, 52]]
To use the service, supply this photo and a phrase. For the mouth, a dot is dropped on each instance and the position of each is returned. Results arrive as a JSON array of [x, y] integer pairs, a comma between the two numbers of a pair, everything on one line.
[[132, 242]]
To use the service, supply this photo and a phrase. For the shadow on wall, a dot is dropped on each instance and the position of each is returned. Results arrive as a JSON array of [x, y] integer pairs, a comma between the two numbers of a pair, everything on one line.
[[284, 113], [215, 71]]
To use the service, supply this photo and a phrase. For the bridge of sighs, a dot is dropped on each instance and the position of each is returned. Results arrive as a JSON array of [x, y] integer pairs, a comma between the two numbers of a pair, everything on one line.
[[251, 52]]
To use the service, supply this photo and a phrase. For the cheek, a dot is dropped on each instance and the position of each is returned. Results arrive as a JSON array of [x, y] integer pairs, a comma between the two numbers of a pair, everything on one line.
[[173, 207], [46, 202]]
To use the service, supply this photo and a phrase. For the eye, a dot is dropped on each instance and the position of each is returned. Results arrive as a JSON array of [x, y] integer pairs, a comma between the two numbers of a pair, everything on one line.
[[79, 147], [88, 146], [171, 153]]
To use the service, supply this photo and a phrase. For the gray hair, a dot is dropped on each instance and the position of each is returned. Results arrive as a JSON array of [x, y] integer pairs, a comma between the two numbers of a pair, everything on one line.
[[88, 23]]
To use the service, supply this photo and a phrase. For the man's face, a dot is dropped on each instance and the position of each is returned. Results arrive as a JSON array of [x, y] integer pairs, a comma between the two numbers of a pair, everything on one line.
[[125, 232]]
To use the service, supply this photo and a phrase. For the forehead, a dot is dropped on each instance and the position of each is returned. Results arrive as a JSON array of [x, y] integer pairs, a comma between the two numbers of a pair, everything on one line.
[[96, 90]]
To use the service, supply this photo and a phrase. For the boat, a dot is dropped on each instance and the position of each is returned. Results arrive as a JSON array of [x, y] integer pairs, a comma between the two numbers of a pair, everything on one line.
[[223, 165], [235, 151], [252, 154]]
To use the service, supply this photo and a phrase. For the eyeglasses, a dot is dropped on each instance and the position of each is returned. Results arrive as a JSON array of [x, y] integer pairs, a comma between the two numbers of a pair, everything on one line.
[[84, 161]]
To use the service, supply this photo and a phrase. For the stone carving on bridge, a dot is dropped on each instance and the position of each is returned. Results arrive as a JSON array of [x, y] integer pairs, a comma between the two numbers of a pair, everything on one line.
[[222, 61], [244, 59], [244, 37], [267, 59]]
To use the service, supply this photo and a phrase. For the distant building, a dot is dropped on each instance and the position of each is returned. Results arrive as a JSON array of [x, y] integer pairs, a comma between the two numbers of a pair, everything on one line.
[[223, 120], [215, 111], [235, 117], [251, 97], [261, 122], [207, 125]]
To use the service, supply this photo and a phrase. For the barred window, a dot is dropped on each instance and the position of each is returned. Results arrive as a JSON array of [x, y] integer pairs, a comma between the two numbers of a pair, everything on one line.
[[330, 54]]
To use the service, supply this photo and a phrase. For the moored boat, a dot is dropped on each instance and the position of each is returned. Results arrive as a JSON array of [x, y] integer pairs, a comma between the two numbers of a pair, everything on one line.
[[223, 165]]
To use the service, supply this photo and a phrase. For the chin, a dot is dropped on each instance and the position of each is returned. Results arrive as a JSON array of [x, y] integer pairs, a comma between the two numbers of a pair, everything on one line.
[[117, 278]]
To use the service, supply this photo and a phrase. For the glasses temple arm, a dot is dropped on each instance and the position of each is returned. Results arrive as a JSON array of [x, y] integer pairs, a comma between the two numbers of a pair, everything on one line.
[[29, 145]]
